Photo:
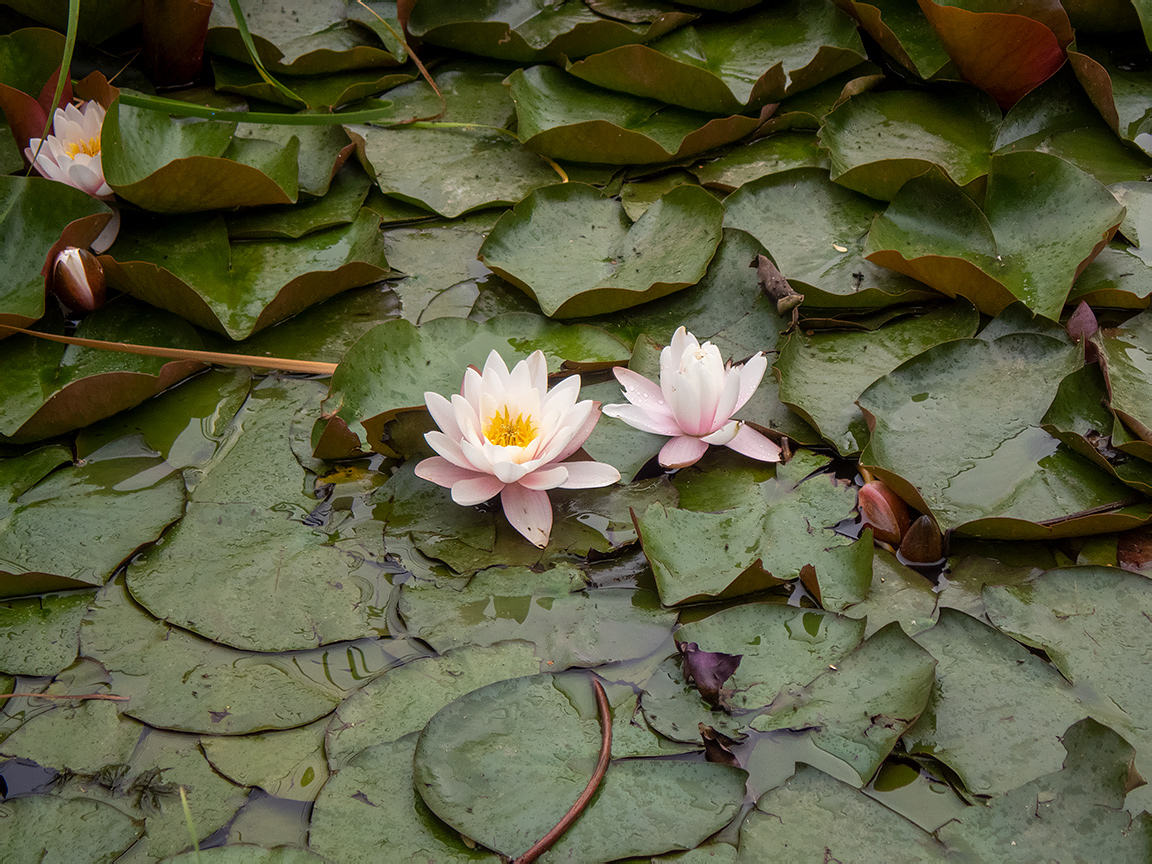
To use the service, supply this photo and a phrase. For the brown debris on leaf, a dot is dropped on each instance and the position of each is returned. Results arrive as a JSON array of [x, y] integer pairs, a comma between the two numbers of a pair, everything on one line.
[[774, 284], [708, 670]]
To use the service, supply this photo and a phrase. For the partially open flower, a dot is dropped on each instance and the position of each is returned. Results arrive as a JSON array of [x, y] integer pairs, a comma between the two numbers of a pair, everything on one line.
[[72, 153], [507, 434], [78, 279], [694, 402]]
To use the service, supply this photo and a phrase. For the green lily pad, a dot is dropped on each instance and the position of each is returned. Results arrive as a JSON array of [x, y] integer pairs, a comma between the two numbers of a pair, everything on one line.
[[514, 30], [1118, 278], [993, 470], [815, 231], [1087, 619], [611, 263], [403, 700], [313, 92], [1058, 118], [981, 674], [935, 233], [98, 514], [288, 764], [183, 167], [247, 853], [37, 214], [289, 585], [879, 141], [814, 815], [369, 809], [781, 647], [539, 756], [822, 375], [901, 29], [859, 707], [453, 169], [189, 267], [314, 38], [340, 205], [46, 828], [565, 118], [391, 367], [771, 155], [566, 624], [782, 528], [897, 593], [1126, 358], [1118, 90], [176, 680], [729, 65], [1074, 813], [41, 633]]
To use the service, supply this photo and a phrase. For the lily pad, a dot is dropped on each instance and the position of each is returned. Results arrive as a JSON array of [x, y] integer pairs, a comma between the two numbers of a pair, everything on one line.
[[1126, 358], [284, 583], [453, 169], [566, 624], [858, 708], [184, 167], [538, 756], [612, 263], [771, 155], [997, 712], [36, 214], [901, 29], [189, 267], [565, 118], [815, 815], [879, 141], [1076, 812], [782, 529], [41, 633], [313, 92], [1005, 252], [403, 700], [444, 274], [815, 232], [1118, 90], [288, 764], [46, 828], [340, 205], [996, 472], [176, 680], [822, 375], [391, 367], [315, 38], [98, 515], [514, 30], [369, 809], [732, 64]]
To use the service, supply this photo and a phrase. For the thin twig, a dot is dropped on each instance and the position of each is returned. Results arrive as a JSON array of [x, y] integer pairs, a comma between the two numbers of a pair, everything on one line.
[[545, 843], [103, 696], [280, 364]]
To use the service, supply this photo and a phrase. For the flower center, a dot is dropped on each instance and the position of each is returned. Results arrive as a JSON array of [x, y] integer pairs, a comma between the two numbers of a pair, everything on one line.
[[90, 147], [503, 431]]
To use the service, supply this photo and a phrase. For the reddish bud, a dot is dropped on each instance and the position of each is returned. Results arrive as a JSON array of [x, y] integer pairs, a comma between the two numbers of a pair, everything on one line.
[[922, 543], [78, 280], [883, 511]]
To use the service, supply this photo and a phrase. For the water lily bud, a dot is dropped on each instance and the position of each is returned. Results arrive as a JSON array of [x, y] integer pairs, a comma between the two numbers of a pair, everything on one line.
[[883, 511], [922, 542], [78, 279]]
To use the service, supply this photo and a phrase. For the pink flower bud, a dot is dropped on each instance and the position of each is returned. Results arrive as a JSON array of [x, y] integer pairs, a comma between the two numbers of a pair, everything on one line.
[[78, 280], [883, 511]]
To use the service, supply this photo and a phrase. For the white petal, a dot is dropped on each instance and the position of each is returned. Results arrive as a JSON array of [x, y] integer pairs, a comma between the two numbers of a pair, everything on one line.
[[529, 511], [509, 472], [750, 374], [496, 369], [538, 371], [726, 403], [546, 478], [722, 435], [475, 490], [590, 475], [646, 421], [443, 414], [682, 452], [450, 449], [751, 443]]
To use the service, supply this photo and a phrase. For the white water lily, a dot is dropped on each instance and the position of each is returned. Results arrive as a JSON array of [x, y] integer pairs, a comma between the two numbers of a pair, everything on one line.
[[694, 402], [72, 153], [507, 434]]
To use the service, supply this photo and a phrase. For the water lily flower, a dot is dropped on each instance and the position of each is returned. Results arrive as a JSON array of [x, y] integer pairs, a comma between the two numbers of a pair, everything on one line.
[[78, 279], [694, 402], [507, 434], [72, 154]]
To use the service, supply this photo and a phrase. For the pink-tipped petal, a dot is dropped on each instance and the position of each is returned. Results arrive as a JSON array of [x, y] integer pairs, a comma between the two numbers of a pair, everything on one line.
[[643, 420], [546, 478], [529, 511], [751, 443], [440, 471], [641, 391], [449, 448], [751, 374], [590, 475], [508, 472], [581, 434], [722, 435], [475, 489], [687, 402], [682, 451]]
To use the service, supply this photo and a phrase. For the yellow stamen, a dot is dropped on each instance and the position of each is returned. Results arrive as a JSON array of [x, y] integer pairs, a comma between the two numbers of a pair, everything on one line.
[[503, 431], [91, 147]]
